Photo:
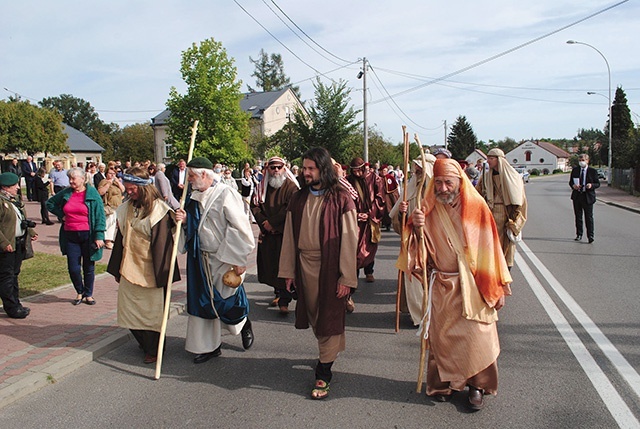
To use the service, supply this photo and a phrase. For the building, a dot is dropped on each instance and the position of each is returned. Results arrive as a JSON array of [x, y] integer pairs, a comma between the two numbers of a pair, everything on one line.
[[543, 156], [82, 150], [269, 112], [475, 156]]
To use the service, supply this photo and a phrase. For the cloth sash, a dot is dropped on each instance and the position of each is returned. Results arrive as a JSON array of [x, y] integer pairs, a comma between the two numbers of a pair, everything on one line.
[[204, 300]]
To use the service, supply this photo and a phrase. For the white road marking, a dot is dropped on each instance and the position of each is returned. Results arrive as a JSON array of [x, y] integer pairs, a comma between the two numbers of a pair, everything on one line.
[[610, 396]]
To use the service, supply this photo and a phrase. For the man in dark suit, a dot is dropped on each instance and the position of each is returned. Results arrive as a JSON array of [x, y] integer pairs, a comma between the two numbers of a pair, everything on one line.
[[584, 181], [29, 171], [178, 179]]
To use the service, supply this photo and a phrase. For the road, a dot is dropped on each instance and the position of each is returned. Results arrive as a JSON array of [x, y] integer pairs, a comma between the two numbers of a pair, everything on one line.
[[569, 337]]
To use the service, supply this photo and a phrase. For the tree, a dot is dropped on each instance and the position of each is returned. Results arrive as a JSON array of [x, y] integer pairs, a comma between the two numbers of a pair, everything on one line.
[[269, 73], [26, 127], [133, 142], [213, 97], [621, 142], [330, 120], [461, 140], [76, 112], [597, 144]]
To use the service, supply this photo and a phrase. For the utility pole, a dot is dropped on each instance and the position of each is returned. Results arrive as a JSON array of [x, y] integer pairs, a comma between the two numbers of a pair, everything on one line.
[[363, 75], [445, 134]]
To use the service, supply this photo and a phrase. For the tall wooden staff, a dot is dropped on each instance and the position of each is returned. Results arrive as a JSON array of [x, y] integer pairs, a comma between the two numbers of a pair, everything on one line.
[[403, 240], [174, 256], [423, 257]]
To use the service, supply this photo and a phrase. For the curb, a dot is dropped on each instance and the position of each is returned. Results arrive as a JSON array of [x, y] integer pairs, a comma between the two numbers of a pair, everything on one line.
[[621, 206], [51, 372]]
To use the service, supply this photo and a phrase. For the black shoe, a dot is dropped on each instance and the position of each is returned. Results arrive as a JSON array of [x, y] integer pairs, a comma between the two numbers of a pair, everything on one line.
[[90, 302], [476, 398], [48, 222], [203, 357], [247, 335], [578, 238], [591, 240], [20, 313]]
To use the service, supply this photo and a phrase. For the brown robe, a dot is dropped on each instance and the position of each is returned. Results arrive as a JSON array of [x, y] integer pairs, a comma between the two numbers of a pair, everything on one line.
[[370, 201], [274, 210]]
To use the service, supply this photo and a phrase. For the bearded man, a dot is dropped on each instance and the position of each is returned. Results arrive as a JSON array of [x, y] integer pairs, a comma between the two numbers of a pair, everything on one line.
[[468, 281], [218, 242], [503, 189], [269, 208]]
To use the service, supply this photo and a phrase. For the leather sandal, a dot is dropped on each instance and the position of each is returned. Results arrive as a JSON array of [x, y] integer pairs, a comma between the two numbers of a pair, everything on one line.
[[320, 390]]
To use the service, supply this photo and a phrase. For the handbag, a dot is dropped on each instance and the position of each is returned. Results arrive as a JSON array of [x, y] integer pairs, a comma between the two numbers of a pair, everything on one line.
[[28, 247]]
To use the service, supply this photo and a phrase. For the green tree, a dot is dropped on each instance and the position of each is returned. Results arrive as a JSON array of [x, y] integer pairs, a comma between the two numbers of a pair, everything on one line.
[[330, 121], [133, 142], [507, 144], [269, 73], [76, 112], [461, 140], [621, 142], [26, 127], [213, 97], [597, 144]]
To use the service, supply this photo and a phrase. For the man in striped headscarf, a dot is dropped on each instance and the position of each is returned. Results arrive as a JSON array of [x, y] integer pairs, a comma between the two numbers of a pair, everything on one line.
[[269, 208], [456, 244]]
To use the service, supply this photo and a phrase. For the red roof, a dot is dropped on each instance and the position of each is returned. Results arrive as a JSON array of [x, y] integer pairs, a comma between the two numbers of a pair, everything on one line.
[[555, 150]]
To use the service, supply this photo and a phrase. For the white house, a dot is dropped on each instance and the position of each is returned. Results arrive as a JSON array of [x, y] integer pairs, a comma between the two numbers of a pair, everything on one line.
[[543, 156], [270, 112], [475, 156]]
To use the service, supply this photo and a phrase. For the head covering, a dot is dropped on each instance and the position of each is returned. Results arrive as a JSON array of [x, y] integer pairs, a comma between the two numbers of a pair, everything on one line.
[[447, 167], [130, 178], [261, 189], [442, 151], [8, 179], [200, 162], [510, 181], [483, 251], [496, 152], [413, 185], [472, 172], [356, 163]]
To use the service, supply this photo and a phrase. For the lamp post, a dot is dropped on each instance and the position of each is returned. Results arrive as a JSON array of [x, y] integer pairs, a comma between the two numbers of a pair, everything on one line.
[[575, 42]]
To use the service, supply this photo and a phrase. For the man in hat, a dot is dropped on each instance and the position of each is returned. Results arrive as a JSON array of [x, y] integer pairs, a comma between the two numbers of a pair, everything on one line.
[[319, 259], [391, 194], [269, 208], [140, 260], [14, 233], [467, 271], [412, 287], [218, 242], [503, 189], [370, 206]]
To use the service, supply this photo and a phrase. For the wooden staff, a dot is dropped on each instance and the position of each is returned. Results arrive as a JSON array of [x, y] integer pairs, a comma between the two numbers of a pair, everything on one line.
[[174, 256], [405, 139], [425, 281]]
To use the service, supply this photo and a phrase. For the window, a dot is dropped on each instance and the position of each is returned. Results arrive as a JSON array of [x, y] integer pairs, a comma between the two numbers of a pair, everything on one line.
[[527, 156], [515, 161], [541, 160]]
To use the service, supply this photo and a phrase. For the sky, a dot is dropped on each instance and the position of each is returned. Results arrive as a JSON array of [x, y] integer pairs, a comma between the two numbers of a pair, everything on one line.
[[503, 64]]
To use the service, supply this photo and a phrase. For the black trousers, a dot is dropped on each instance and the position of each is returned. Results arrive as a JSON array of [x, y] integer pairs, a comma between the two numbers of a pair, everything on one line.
[[148, 340], [44, 213], [581, 206], [10, 264]]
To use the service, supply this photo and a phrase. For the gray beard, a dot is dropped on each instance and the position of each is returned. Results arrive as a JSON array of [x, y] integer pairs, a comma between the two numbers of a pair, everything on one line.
[[277, 181], [448, 199]]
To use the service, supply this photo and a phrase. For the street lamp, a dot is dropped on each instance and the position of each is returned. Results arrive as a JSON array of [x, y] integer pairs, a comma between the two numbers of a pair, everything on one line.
[[575, 42]]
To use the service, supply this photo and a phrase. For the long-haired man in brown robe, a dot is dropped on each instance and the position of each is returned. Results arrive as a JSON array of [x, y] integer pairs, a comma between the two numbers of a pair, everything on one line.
[[269, 208], [319, 259]]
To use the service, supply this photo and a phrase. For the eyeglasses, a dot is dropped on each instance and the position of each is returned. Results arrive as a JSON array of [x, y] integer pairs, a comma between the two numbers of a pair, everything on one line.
[[275, 167]]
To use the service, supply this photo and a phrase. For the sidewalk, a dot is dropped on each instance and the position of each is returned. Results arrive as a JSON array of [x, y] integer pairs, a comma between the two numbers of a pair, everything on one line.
[[58, 338]]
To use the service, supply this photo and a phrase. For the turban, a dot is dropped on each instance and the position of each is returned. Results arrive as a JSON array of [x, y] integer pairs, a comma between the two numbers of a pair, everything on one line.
[[496, 152], [447, 167]]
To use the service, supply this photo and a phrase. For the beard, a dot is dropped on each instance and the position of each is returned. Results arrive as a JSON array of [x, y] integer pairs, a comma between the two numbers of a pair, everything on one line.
[[447, 197], [277, 181]]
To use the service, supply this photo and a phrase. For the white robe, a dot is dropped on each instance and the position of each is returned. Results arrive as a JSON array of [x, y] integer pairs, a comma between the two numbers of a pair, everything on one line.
[[227, 239]]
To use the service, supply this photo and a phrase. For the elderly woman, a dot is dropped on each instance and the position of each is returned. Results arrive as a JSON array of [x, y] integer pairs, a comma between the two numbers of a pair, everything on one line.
[[80, 209], [141, 259], [111, 191]]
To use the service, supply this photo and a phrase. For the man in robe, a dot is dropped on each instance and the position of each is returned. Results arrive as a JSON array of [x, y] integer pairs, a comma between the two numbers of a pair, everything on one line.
[[218, 241], [141, 260], [503, 189], [269, 208], [319, 259], [411, 301], [455, 243], [391, 194], [370, 206]]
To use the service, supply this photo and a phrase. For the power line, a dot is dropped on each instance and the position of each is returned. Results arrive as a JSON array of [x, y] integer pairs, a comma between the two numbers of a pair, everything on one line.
[[508, 51]]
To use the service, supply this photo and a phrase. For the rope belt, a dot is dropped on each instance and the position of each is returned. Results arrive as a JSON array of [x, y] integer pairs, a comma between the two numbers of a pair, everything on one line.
[[423, 328]]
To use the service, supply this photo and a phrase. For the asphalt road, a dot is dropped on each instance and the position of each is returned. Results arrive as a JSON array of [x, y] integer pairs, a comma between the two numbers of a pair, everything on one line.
[[569, 337]]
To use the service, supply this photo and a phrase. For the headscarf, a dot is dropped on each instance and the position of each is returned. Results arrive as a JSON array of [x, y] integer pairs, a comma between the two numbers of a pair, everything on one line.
[[261, 188], [483, 250], [510, 180]]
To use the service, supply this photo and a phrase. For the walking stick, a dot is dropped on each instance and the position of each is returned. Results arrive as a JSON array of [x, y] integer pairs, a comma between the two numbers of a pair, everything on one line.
[[425, 282], [405, 139], [174, 256]]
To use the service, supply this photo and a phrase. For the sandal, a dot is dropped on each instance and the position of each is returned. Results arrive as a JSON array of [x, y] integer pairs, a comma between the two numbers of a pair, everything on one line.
[[320, 390]]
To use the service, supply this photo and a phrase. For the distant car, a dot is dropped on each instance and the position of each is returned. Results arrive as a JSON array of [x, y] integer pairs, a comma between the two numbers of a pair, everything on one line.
[[601, 173], [524, 173]]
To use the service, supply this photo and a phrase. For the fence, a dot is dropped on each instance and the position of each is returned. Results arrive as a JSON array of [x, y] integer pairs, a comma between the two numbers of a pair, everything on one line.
[[627, 180]]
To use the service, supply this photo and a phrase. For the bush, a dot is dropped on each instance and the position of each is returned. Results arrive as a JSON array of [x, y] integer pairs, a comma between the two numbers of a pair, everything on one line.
[[557, 171], [534, 172]]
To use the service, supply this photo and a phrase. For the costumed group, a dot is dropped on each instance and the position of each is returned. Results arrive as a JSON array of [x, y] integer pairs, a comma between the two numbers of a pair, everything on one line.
[[317, 230]]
